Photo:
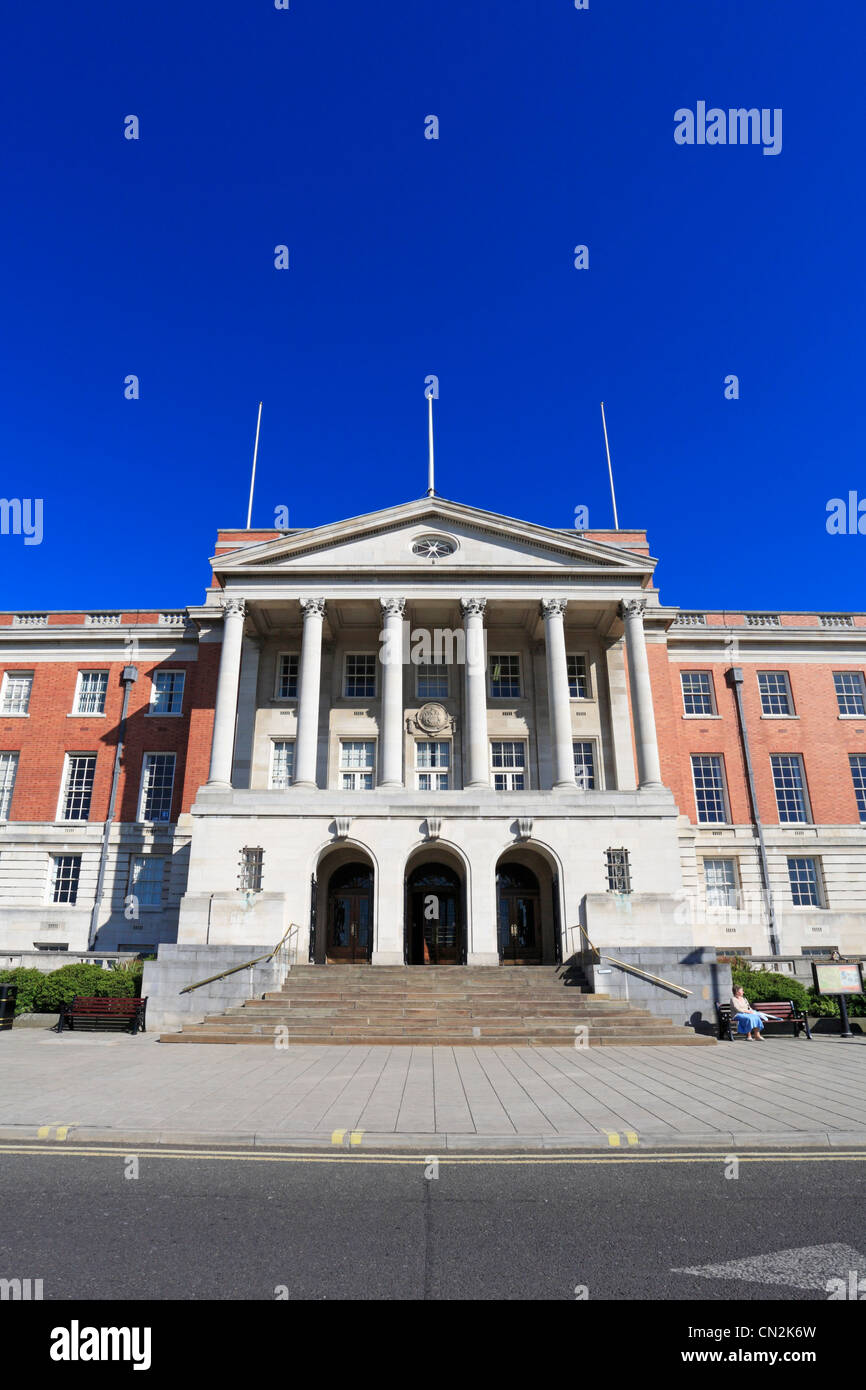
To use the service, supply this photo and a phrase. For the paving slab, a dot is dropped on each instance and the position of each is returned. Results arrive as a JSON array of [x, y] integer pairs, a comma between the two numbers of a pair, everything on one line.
[[133, 1091]]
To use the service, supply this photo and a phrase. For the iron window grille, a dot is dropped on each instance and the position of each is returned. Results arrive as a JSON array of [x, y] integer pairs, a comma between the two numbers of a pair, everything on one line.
[[618, 870], [252, 865]]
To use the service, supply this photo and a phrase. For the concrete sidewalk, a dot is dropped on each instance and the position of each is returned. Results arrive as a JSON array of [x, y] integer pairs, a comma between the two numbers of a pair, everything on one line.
[[120, 1089]]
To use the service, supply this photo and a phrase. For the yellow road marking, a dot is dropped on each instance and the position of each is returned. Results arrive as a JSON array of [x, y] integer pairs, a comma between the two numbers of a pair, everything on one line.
[[338, 1136], [631, 1136], [44, 1131], [356, 1136], [612, 1138], [517, 1159]]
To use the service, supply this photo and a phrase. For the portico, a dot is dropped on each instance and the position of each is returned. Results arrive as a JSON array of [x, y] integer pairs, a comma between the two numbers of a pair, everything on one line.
[[508, 726]]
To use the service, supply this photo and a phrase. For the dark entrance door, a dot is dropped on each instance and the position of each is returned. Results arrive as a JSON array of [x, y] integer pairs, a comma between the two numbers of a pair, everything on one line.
[[434, 925], [519, 915], [350, 915]]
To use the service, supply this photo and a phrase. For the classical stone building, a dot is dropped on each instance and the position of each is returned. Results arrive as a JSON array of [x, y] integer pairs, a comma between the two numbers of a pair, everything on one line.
[[433, 734]]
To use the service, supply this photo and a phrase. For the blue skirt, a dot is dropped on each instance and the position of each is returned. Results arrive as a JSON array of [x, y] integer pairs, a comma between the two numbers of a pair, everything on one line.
[[746, 1022]]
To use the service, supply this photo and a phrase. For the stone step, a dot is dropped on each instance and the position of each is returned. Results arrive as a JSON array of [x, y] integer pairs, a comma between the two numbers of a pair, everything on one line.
[[674, 1038]]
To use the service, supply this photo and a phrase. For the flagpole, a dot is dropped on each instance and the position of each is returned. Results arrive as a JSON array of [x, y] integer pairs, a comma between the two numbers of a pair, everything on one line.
[[431, 490], [609, 469], [253, 478]]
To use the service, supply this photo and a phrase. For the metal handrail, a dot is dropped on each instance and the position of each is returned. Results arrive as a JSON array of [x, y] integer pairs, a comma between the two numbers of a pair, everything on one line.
[[634, 969], [245, 965]]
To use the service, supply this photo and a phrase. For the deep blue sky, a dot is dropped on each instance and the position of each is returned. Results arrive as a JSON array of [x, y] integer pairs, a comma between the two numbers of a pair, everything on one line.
[[410, 257]]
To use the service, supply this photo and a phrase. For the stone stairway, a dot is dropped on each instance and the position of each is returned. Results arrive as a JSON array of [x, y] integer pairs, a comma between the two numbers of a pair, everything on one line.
[[445, 1005]]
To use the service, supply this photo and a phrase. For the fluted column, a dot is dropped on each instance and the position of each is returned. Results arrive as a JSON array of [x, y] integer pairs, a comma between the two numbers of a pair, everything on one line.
[[476, 693], [225, 708], [391, 752], [553, 611], [645, 736], [309, 685]]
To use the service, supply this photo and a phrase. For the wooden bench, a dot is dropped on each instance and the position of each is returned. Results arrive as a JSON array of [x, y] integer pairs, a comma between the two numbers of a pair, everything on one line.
[[93, 1011], [782, 1011]]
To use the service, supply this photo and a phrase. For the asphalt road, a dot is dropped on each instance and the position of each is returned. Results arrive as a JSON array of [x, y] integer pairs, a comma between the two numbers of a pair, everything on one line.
[[364, 1227]]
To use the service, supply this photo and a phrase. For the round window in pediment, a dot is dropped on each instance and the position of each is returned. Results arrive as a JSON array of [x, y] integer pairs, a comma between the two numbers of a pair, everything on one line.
[[433, 547]]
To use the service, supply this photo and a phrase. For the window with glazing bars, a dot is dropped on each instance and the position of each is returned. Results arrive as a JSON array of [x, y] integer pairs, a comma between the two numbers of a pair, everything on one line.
[[508, 757], [432, 681], [720, 877], [145, 879], [584, 765], [252, 863], [78, 787], [432, 764], [65, 871], [8, 770], [287, 676], [167, 694], [775, 692], [858, 773], [282, 763], [849, 692], [709, 778], [360, 675], [697, 692], [805, 885], [157, 784], [578, 680], [15, 695], [92, 688], [790, 788], [357, 760], [618, 871], [505, 676]]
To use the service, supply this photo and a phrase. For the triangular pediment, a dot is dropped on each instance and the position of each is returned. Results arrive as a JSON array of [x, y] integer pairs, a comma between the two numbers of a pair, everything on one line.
[[387, 541]]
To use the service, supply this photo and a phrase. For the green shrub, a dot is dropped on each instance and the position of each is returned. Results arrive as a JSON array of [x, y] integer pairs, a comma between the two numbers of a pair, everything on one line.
[[827, 1005], [764, 986], [61, 986], [29, 983]]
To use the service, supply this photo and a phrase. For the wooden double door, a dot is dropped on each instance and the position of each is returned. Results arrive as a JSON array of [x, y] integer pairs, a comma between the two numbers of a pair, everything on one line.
[[518, 903], [349, 937], [434, 916]]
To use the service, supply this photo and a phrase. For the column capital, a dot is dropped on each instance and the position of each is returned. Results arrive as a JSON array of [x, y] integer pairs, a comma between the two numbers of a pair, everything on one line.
[[313, 607], [470, 606], [393, 605], [632, 608], [234, 608], [551, 606]]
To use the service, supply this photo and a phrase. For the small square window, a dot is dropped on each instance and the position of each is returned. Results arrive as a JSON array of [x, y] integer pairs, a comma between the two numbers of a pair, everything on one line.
[[849, 692], [15, 693], [775, 691], [697, 692], [167, 693]]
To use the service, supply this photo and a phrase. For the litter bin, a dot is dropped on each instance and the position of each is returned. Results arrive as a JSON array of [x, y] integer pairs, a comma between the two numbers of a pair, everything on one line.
[[8, 996]]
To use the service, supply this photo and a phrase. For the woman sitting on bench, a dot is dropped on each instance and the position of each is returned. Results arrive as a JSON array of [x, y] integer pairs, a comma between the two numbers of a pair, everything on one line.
[[747, 1020]]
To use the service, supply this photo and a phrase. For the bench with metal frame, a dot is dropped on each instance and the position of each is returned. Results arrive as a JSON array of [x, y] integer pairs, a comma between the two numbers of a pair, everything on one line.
[[782, 1011], [96, 1011]]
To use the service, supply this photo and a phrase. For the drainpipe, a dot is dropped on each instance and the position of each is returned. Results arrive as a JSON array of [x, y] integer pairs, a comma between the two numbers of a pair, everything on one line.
[[129, 676], [734, 678]]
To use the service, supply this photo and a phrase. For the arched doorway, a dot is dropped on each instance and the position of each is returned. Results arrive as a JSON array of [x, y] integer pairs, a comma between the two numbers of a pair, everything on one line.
[[435, 919], [518, 915], [349, 914]]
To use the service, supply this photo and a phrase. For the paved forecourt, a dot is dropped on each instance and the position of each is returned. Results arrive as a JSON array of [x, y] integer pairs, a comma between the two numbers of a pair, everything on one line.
[[129, 1089]]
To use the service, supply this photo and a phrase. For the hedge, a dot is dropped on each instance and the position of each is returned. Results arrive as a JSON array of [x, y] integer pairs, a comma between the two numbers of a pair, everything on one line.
[[42, 993], [762, 986]]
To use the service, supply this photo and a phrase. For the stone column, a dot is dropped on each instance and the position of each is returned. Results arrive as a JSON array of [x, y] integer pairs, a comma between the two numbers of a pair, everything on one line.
[[309, 685], [645, 736], [553, 610], [477, 771], [225, 710], [391, 751]]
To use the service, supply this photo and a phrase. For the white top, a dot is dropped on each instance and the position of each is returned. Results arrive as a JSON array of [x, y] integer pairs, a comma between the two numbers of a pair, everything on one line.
[[741, 1005]]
